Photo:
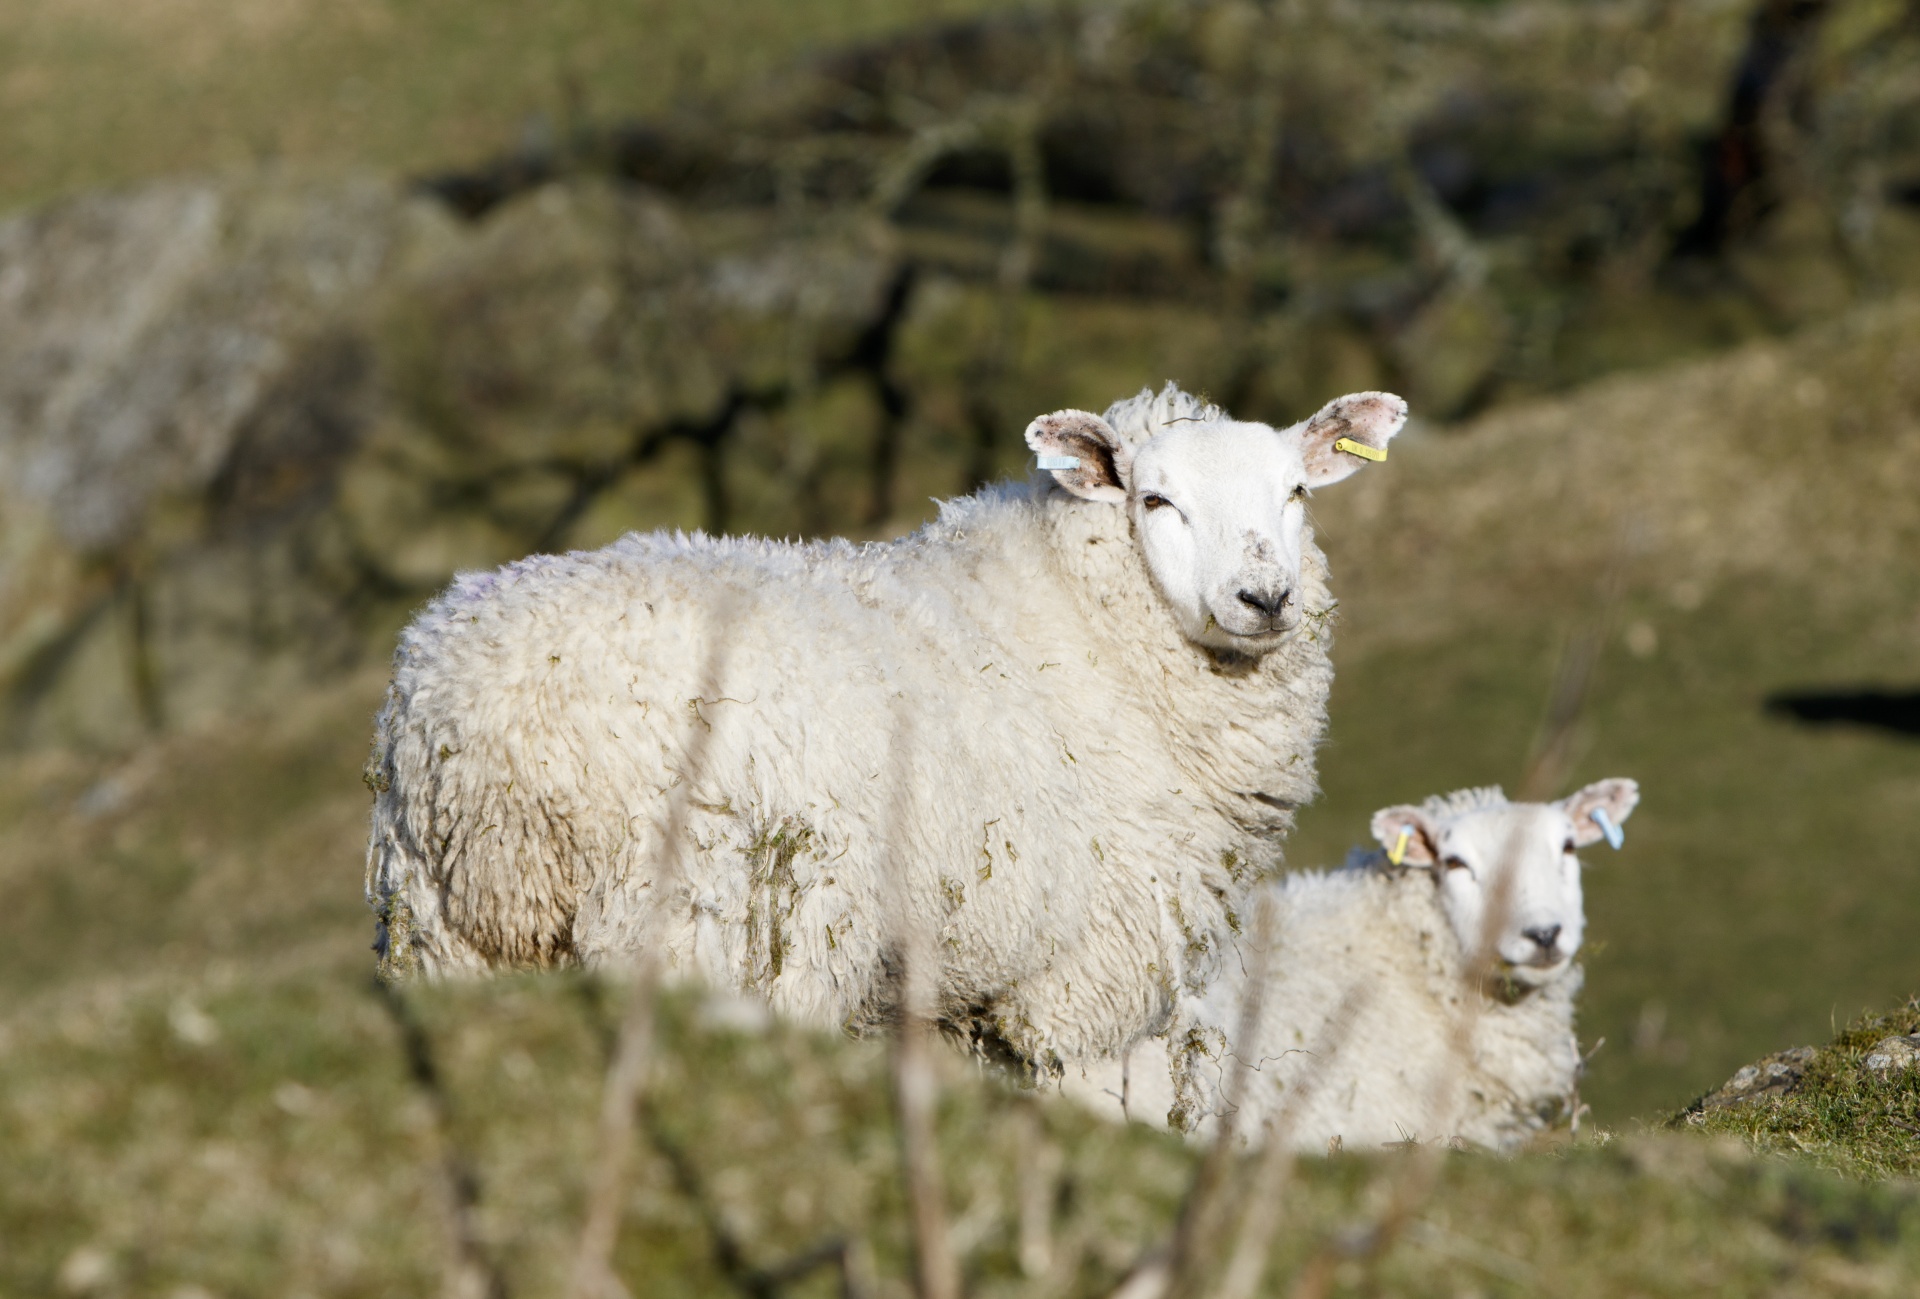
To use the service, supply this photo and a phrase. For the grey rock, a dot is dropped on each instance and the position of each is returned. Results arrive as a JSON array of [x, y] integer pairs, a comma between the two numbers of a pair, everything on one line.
[[1776, 1075], [1892, 1055]]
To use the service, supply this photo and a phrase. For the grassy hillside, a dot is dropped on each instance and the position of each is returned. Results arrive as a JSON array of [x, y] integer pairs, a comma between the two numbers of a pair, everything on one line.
[[1758, 515], [95, 94], [201, 1091], [261, 1135]]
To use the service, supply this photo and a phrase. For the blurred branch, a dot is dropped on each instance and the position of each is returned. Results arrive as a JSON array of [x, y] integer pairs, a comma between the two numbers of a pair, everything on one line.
[[1546, 769], [730, 1252], [1019, 132], [916, 1084], [1551, 757], [470, 1274], [1247, 1262], [593, 1276], [1039, 1176], [1197, 1236]]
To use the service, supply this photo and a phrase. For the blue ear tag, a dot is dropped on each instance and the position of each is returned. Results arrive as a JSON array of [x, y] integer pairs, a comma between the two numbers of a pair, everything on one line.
[[1615, 835], [1058, 462]]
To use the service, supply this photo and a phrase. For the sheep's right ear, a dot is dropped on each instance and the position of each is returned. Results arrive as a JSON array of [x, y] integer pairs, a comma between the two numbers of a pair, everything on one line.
[[1406, 832], [1103, 464]]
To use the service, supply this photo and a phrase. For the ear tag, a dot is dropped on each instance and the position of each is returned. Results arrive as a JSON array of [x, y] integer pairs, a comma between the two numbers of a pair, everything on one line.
[[1615, 835], [1365, 452], [1058, 462], [1398, 853]]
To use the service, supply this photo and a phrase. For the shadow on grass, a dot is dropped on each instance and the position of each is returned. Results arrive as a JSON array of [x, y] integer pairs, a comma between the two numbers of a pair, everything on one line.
[[1889, 710]]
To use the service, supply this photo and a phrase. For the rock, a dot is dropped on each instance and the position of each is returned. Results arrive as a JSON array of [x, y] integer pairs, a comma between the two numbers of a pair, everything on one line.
[[1776, 1075], [1891, 1056], [245, 425]]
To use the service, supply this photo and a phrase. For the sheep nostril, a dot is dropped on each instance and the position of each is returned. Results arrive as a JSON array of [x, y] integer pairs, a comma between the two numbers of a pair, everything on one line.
[[1544, 935], [1265, 603]]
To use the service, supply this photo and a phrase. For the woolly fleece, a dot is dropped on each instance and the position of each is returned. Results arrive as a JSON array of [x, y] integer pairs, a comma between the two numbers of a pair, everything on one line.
[[1356, 1033], [993, 722]]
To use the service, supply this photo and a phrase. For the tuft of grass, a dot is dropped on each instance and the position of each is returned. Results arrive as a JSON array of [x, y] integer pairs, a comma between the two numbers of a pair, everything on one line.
[[1840, 1114]]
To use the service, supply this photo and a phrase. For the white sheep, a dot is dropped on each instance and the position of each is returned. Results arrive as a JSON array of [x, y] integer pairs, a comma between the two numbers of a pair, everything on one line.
[[1369, 1027], [1051, 727]]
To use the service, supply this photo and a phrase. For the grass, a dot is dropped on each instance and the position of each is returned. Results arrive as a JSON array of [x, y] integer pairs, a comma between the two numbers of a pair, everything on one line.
[[1840, 1115], [1765, 891], [200, 1093], [199, 1088], [171, 1137], [94, 93]]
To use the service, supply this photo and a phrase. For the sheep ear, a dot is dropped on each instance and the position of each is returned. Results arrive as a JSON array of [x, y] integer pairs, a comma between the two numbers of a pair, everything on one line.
[[1617, 798], [1405, 831], [1103, 464], [1367, 420]]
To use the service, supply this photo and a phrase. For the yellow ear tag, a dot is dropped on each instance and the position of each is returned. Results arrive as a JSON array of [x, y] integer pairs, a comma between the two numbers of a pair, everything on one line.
[[1365, 452], [1398, 853]]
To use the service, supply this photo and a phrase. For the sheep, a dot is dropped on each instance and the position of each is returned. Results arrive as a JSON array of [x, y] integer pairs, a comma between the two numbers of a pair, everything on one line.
[[1369, 983], [1052, 727]]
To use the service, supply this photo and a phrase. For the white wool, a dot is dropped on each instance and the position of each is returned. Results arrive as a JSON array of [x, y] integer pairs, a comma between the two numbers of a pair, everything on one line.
[[993, 722], [1367, 993]]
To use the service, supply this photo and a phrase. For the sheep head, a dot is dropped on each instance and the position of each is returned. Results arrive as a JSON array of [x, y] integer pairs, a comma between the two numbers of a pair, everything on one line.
[[1481, 848], [1218, 505]]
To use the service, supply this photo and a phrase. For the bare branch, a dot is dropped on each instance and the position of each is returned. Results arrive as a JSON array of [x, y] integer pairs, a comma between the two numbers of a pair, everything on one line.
[[469, 1273], [1251, 1244], [593, 1276], [916, 1083], [1039, 1173]]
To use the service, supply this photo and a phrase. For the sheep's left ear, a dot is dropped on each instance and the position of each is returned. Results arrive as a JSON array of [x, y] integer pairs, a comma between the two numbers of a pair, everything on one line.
[[1407, 833], [1364, 421], [1102, 464], [1616, 798]]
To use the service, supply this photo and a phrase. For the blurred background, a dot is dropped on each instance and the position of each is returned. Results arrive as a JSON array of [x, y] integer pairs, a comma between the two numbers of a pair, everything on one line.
[[304, 307]]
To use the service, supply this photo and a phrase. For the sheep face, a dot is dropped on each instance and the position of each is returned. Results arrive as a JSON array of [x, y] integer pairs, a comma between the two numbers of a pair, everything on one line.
[[1218, 505], [1518, 857]]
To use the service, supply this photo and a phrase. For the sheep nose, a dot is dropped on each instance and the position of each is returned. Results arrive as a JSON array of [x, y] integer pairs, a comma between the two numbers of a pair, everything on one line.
[[1545, 935], [1268, 602]]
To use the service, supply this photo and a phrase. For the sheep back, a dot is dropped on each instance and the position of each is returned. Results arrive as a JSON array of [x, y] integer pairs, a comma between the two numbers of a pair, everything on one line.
[[990, 724]]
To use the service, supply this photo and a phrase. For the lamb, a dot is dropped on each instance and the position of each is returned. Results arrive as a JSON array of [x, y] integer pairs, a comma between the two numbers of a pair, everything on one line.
[[1369, 985], [1051, 728]]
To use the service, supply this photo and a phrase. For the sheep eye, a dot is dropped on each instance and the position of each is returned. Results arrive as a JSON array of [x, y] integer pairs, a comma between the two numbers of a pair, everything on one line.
[[1153, 501], [1570, 846], [1299, 493], [1454, 863]]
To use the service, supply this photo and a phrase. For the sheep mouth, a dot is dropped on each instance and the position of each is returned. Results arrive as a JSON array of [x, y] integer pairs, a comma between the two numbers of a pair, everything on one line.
[[1277, 630], [1538, 968]]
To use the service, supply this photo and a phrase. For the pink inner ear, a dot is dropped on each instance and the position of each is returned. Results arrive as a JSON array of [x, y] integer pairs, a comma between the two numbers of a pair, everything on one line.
[[1371, 418], [1417, 849], [1104, 462]]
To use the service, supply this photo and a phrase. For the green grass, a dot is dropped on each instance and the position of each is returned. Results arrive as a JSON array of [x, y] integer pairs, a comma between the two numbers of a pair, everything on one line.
[[261, 1136], [1766, 887], [94, 93], [1840, 1115]]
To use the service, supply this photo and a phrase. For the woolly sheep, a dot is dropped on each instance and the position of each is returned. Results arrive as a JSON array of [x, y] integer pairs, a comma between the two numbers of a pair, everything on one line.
[[1357, 1031], [1049, 727]]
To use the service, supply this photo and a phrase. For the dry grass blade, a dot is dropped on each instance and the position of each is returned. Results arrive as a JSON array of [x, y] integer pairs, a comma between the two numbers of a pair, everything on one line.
[[1196, 1237], [1414, 1180], [469, 1274], [916, 1084], [1552, 755], [1039, 1174], [1546, 769], [593, 1276], [1248, 1260]]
